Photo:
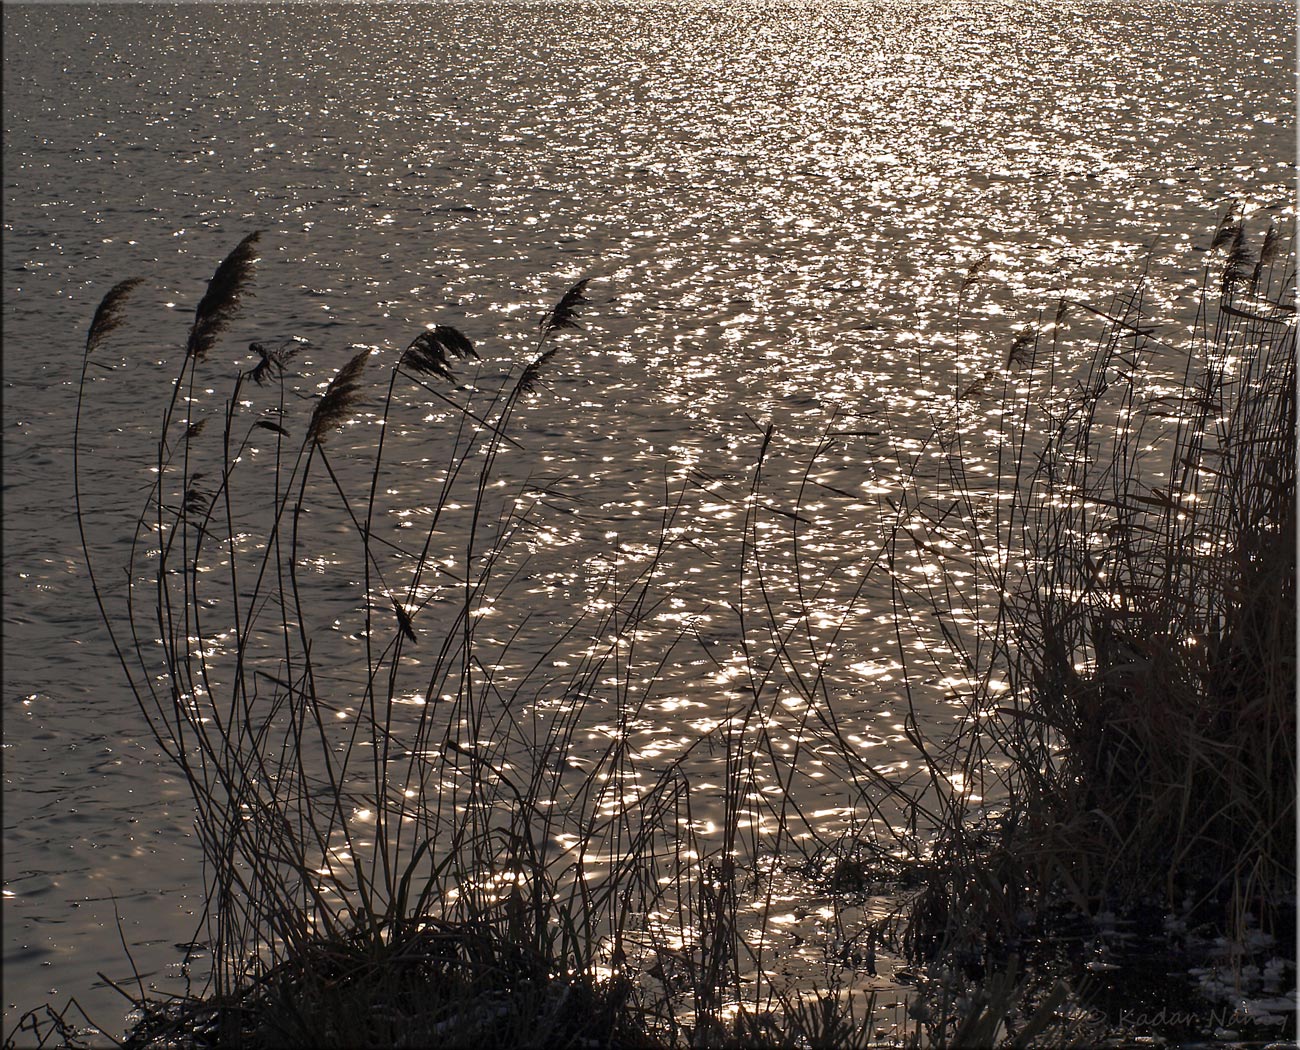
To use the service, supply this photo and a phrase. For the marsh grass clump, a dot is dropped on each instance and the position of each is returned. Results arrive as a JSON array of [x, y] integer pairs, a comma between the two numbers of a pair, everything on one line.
[[403, 843], [1132, 676], [378, 866], [440, 985], [1156, 631]]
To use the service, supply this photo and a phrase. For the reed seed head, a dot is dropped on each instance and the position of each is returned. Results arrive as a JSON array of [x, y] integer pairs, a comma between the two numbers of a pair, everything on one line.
[[272, 360], [343, 392], [219, 304], [108, 315], [564, 314], [432, 351]]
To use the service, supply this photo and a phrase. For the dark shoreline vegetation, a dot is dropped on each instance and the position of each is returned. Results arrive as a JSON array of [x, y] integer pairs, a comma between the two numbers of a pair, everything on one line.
[[1120, 791]]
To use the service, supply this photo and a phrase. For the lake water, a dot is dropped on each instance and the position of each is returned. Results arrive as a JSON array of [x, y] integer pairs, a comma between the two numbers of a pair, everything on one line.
[[776, 202]]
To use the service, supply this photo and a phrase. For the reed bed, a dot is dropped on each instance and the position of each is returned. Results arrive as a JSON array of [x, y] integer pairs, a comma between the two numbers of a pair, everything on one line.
[[400, 850], [1125, 640]]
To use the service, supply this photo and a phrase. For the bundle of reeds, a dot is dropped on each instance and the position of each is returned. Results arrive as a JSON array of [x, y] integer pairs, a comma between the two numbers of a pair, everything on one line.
[[393, 852], [1129, 640]]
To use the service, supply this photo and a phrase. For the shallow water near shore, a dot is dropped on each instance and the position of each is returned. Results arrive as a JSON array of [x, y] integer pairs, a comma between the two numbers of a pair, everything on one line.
[[777, 203]]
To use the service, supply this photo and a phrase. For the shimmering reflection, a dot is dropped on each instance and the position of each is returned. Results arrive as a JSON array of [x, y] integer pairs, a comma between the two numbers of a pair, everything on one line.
[[833, 218]]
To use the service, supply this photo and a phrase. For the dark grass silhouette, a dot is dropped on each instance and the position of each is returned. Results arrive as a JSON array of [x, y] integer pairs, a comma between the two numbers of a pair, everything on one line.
[[1122, 621]]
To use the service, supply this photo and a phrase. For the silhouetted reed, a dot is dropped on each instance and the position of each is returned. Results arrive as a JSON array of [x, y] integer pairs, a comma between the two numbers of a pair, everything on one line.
[[448, 913], [340, 397], [1126, 644], [225, 292], [381, 828]]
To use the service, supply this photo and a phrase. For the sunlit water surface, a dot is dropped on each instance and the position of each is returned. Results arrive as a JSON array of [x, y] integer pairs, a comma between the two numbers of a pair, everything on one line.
[[777, 204]]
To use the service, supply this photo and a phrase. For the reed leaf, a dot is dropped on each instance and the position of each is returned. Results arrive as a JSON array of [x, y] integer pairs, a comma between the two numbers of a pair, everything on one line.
[[228, 286]]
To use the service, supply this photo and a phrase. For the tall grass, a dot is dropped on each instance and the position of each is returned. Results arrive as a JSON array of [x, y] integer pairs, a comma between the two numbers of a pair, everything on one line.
[[407, 837], [400, 841], [1127, 639]]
